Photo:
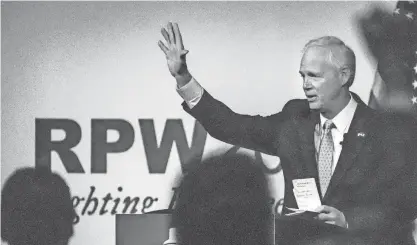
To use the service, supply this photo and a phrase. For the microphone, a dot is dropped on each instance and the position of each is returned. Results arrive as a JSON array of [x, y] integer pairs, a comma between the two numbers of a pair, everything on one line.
[[343, 140]]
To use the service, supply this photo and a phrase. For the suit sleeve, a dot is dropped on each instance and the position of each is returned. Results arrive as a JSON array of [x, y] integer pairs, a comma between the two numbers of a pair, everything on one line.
[[251, 132]]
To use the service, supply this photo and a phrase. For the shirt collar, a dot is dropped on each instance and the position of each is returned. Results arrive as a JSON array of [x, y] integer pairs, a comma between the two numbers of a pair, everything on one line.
[[343, 119]]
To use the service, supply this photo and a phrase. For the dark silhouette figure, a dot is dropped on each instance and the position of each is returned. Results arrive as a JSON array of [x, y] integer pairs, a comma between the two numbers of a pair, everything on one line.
[[224, 201], [36, 208]]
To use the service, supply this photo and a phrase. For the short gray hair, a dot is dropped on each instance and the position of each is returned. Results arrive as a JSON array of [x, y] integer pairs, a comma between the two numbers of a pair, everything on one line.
[[339, 53]]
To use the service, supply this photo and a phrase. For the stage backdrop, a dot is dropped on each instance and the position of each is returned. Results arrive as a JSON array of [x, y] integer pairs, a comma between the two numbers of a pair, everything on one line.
[[91, 76]]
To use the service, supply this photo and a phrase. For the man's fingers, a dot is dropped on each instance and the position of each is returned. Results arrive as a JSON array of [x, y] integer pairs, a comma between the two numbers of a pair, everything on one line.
[[326, 217], [323, 209], [323, 217], [178, 37], [166, 35], [184, 52], [171, 33], [163, 47]]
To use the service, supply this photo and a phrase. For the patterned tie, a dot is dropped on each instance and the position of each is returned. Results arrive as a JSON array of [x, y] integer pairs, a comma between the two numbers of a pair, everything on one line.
[[325, 158]]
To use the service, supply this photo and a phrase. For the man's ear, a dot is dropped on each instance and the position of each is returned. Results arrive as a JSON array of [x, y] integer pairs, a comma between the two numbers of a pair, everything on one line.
[[345, 74]]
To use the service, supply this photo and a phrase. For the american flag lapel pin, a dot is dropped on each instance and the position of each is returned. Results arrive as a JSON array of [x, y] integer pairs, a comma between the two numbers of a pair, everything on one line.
[[361, 134]]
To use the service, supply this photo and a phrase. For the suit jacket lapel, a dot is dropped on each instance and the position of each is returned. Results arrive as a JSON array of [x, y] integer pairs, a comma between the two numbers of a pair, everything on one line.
[[352, 145]]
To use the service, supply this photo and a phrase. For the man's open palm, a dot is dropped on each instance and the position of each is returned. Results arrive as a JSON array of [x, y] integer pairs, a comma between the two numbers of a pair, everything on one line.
[[174, 50]]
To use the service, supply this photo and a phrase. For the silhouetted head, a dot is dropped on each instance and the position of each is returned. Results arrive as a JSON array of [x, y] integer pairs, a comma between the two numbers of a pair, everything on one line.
[[223, 201], [36, 208]]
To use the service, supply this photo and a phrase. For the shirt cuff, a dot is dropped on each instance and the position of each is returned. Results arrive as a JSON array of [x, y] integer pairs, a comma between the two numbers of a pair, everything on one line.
[[191, 92]]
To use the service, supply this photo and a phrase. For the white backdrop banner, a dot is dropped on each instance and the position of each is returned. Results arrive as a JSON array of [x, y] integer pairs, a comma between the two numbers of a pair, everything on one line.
[[86, 91]]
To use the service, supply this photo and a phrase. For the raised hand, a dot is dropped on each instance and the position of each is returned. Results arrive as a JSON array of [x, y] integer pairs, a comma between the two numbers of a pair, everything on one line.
[[175, 53]]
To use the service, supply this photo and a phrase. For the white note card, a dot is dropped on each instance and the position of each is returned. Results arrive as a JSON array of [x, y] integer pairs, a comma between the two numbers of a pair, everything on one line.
[[306, 194]]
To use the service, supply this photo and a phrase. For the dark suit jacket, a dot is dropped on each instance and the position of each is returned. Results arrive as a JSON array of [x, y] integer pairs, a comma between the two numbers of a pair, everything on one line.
[[371, 184]]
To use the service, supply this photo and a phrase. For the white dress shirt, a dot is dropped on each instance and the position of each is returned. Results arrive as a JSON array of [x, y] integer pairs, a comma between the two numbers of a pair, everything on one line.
[[193, 91], [342, 122]]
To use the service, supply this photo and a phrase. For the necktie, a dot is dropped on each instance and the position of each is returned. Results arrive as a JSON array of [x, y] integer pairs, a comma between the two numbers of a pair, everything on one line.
[[325, 158]]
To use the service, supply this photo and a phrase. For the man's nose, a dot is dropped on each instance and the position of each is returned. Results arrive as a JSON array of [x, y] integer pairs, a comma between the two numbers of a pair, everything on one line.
[[306, 84]]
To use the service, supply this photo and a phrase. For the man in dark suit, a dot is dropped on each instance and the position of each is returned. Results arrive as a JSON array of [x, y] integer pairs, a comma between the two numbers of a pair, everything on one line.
[[360, 159]]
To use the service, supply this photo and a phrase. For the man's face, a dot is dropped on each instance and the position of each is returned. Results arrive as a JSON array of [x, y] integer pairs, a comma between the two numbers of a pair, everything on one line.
[[322, 82]]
